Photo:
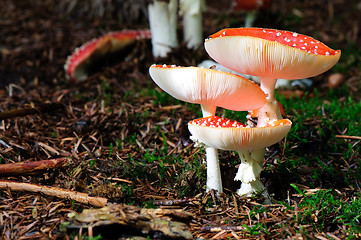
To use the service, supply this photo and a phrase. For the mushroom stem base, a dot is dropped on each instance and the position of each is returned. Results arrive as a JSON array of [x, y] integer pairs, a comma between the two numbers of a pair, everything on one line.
[[252, 188], [249, 172]]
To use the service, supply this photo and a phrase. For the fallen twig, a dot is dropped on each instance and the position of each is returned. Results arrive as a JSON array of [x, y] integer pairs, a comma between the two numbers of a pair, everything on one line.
[[34, 167], [54, 192], [41, 108], [221, 228], [171, 202], [349, 137]]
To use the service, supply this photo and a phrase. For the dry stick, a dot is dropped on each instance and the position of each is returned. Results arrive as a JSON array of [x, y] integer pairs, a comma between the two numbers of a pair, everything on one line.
[[54, 192], [171, 202], [349, 137], [41, 108], [221, 228], [34, 167]]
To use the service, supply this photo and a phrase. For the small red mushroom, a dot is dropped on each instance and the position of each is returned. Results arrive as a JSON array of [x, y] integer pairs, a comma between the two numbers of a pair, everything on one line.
[[335, 80], [251, 7], [77, 63], [251, 4], [226, 134]]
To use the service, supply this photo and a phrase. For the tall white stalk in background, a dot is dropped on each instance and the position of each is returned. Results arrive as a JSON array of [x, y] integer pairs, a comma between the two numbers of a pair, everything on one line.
[[163, 25], [192, 21]]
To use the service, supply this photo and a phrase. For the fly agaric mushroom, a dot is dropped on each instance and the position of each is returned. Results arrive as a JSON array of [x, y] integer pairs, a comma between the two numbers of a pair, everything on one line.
[[281, 83], [226, 134], [251, 7], [210, 88], [270, 54], [192, 21], [77, 64], [230, 135], [163, 25]]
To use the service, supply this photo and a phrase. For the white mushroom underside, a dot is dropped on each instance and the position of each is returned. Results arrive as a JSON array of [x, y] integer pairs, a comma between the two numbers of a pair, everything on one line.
[[209, 87], [264, 58], [235, 139]]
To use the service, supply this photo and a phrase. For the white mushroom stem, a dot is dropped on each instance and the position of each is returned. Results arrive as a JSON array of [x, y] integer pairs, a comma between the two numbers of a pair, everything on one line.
[[214, 179], [208, 110], [192, 22], [270, 111], [249, 170], [249, 173], [251, 163], [258, 155], [250, 18], [163, 25]]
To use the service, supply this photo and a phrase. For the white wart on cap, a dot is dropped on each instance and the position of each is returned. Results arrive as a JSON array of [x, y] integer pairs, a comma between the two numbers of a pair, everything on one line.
[[226, 134], [208, 87], [270, 53]]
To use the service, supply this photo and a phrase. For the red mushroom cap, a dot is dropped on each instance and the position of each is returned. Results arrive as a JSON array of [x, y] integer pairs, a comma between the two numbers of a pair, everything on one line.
[[236, 138], [270, 53], [209, 87], [251, 4], [215, 121], [76, 63]]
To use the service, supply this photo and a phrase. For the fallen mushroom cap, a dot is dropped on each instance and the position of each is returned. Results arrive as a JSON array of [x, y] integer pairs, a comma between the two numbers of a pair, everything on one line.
[[77, 63], [270, 53], [208, 86], [227, 137]]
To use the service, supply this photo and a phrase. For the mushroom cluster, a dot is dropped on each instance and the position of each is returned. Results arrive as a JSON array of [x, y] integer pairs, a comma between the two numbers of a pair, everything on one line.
[[266, 53], [211, 89]]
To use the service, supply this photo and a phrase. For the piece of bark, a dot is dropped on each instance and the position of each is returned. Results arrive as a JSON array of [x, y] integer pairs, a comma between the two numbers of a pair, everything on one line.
[[54, 192], [119, 220], [31, 168], [20, 112]]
